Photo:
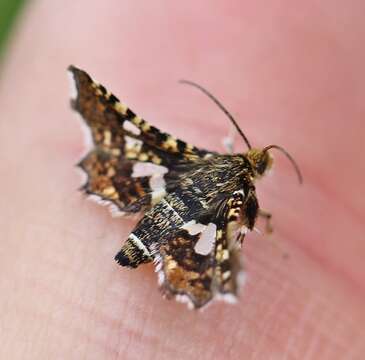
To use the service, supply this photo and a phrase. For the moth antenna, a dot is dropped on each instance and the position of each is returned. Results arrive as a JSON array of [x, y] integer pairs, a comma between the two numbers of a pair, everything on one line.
[[295, 165], [219, 104]]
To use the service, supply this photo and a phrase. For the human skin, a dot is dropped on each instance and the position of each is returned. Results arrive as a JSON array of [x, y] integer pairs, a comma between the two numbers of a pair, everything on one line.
[[292, 74]]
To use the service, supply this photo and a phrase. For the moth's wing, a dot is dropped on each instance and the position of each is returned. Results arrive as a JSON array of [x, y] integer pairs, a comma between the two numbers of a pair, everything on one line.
[[111, 121], [196, 259], [120, 140], [120, 184], [184, 272], [198, 267], [165, 236]]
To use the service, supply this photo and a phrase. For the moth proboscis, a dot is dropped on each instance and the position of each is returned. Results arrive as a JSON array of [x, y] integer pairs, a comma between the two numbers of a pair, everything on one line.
[[197, 205]]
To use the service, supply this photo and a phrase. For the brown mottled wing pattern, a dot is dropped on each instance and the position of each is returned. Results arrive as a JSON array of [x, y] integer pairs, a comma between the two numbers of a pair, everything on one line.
[[121, 139], [110, 182], [197, 279], [194, 210], [186, 272]]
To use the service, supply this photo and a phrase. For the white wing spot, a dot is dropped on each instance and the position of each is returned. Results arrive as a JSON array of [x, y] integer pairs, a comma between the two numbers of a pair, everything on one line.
[[133, 143], [115, 211], [72, 85], [228, 298], [136, 241], [193, 228], [86, 132], [127, 125], [157, 196], [147, 169], [207, 239], [185, 299], [157, 183], [239, 192], [226, 275], [83, 175]]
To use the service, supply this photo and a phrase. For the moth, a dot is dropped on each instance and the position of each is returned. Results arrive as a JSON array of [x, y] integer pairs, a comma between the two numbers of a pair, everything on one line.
[[197, 205]]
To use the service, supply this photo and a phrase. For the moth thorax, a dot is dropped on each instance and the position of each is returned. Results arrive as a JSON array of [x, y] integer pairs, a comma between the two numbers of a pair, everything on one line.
[[260, 160]]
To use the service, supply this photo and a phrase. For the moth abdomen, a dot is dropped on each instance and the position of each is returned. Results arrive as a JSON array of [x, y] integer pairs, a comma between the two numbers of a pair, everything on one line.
[[133, 253]]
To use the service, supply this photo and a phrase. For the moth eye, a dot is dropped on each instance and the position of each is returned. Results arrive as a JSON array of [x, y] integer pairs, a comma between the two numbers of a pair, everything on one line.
[[261, 166], [263, 163]]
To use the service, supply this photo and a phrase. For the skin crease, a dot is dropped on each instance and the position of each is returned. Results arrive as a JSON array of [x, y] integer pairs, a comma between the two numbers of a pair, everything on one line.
[[291, 72]]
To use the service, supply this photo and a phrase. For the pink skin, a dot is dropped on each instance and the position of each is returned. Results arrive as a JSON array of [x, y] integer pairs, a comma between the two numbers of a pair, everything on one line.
[[292, 74]]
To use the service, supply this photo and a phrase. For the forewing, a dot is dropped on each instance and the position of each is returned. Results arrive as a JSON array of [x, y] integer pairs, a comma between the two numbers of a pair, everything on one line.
[[111, 181], [196, 258], [111, 121], [183, 272], [121, 140]]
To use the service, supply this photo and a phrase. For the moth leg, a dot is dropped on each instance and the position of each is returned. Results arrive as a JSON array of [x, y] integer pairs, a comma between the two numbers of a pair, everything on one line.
[[269, 229], [229, 234], [267, 216]]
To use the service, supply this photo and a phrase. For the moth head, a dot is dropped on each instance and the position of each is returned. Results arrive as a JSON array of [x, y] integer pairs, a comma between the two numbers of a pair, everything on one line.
[[261, 160]]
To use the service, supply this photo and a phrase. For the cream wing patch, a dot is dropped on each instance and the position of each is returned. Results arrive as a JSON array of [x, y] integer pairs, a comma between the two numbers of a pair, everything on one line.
[[206, 242], [127, 125], [148, 169], [72, 85], [157, 182]]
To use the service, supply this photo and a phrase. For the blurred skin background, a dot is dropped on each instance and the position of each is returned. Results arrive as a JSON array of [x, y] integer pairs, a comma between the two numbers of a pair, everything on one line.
[[291, 72]]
